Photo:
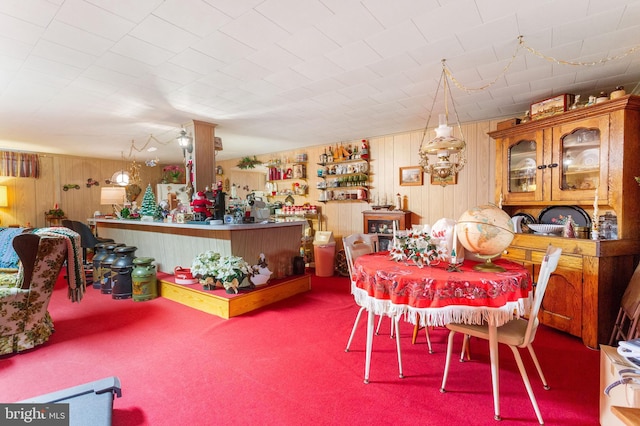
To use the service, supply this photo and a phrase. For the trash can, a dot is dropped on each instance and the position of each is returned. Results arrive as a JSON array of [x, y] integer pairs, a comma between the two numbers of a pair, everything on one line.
[[324, 250]]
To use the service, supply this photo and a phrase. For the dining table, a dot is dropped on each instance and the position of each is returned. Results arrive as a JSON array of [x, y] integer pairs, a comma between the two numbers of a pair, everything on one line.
[[439, 294]]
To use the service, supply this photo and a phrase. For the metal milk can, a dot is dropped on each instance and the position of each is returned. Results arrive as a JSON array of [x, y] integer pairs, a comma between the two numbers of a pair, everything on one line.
[[145, 285], [121, 269]]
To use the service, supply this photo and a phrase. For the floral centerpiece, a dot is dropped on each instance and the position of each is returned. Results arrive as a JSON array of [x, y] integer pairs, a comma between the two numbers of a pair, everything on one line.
[[416, 246], [173, 173], [55, 212], [216, 271]]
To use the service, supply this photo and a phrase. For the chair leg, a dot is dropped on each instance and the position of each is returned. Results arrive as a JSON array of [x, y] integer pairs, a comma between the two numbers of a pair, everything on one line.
[[380, 322], [537, 364], [447, 361], [396, 320], [414, 337], [527, 384], [466, 343], [353, 330]]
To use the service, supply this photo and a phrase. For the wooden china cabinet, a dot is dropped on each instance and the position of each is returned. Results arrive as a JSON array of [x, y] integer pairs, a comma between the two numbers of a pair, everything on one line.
[[566, 160]]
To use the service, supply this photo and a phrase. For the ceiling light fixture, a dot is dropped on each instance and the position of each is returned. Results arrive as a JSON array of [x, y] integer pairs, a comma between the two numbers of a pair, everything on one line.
[[447, 150], [185, 141]]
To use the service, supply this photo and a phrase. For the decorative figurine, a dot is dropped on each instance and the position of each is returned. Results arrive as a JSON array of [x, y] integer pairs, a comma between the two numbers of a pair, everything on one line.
[[364, 150], [200, 204]]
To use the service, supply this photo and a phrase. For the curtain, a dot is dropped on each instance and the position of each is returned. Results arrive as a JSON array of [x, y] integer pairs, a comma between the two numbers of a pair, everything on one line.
[[19, 164]]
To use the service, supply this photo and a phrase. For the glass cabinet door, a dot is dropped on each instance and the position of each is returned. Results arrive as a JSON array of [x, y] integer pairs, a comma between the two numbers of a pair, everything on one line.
[[522, 166], [580, 156], [581, 153]]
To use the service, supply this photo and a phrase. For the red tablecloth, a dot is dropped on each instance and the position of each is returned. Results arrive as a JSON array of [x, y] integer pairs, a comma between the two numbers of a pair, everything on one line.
[[435, 296]]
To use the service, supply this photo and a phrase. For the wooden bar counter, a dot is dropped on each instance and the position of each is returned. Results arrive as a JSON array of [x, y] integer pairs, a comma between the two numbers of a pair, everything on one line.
[[174, 244]]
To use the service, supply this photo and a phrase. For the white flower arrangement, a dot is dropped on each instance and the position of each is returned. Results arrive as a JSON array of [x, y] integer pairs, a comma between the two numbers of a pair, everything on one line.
[[211, 264], [418, 247]]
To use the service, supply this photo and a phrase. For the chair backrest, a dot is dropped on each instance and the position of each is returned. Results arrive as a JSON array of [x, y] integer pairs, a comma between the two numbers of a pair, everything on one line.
[[548, 266], [87, 239], [355, 245], [68, 224]]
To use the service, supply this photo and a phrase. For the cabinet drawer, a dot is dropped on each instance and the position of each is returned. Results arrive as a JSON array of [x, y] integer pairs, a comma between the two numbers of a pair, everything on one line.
[[519, 254]]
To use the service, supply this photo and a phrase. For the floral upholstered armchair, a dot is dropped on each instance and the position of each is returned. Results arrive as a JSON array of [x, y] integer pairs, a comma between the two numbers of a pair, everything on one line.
[[25, 294]]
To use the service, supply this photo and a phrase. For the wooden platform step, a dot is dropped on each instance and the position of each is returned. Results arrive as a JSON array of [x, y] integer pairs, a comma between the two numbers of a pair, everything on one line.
[[219, 303]]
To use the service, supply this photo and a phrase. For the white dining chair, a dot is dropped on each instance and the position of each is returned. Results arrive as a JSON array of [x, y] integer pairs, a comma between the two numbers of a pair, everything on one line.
[[356, 245], [517, 333]]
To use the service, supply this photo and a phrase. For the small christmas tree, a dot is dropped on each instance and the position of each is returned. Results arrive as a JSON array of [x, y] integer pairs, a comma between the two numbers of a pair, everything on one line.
[[149, 206]]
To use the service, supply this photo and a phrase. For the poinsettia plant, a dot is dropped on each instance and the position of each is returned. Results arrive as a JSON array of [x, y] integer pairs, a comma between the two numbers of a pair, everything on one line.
[[211, 264], [417, 246]]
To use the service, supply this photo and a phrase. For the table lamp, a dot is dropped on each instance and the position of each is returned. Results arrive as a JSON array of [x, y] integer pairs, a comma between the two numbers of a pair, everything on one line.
[[114, 196], [4, 198]]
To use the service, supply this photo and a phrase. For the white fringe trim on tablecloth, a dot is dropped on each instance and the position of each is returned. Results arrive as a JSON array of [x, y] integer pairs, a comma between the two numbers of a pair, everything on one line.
[[444, 315]]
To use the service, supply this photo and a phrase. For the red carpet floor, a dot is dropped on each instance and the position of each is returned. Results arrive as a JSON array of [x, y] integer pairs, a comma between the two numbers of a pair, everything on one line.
[[286, 365]]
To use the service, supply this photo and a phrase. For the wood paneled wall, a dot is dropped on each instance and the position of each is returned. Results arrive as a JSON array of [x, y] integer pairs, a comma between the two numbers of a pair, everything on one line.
[[428, 203], [30, 198]]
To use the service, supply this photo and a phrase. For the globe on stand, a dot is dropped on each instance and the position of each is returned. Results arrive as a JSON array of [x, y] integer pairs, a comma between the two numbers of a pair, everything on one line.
[[485, 230]]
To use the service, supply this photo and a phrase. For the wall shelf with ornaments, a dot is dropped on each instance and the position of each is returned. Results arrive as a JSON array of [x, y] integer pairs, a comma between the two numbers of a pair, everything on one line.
[[346, 180]]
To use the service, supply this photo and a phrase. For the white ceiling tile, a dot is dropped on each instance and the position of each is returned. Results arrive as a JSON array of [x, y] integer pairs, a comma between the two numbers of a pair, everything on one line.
[[390, 14], [393, 65], [387, 42], [222, 47], [140, 50], [318, 68], [198, 18], [176, 73], [95, 20], [134, 11], [234, 8], [58, 53], [263, 31], [109, 75], [14, 49], [76, 38], [38, 12], [288, 79], [274, 58], [245, 70], [308, 43], [351, 24], [536, 16], [353, 56], [196, 61], [163, 34], [221, 80], [17, 29], [294, 15], [455, 17], [51, 69]]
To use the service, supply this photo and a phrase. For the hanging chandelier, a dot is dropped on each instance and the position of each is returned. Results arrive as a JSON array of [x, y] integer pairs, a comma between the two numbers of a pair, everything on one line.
[[446, 152]]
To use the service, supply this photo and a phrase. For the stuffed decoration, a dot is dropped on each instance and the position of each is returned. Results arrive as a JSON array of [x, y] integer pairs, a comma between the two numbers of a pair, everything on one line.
[[200, 204]]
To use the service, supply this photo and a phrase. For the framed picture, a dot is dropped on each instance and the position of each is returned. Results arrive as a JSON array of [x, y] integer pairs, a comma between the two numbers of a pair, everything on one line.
[[449, 180], [551, 106], [411, 176]]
